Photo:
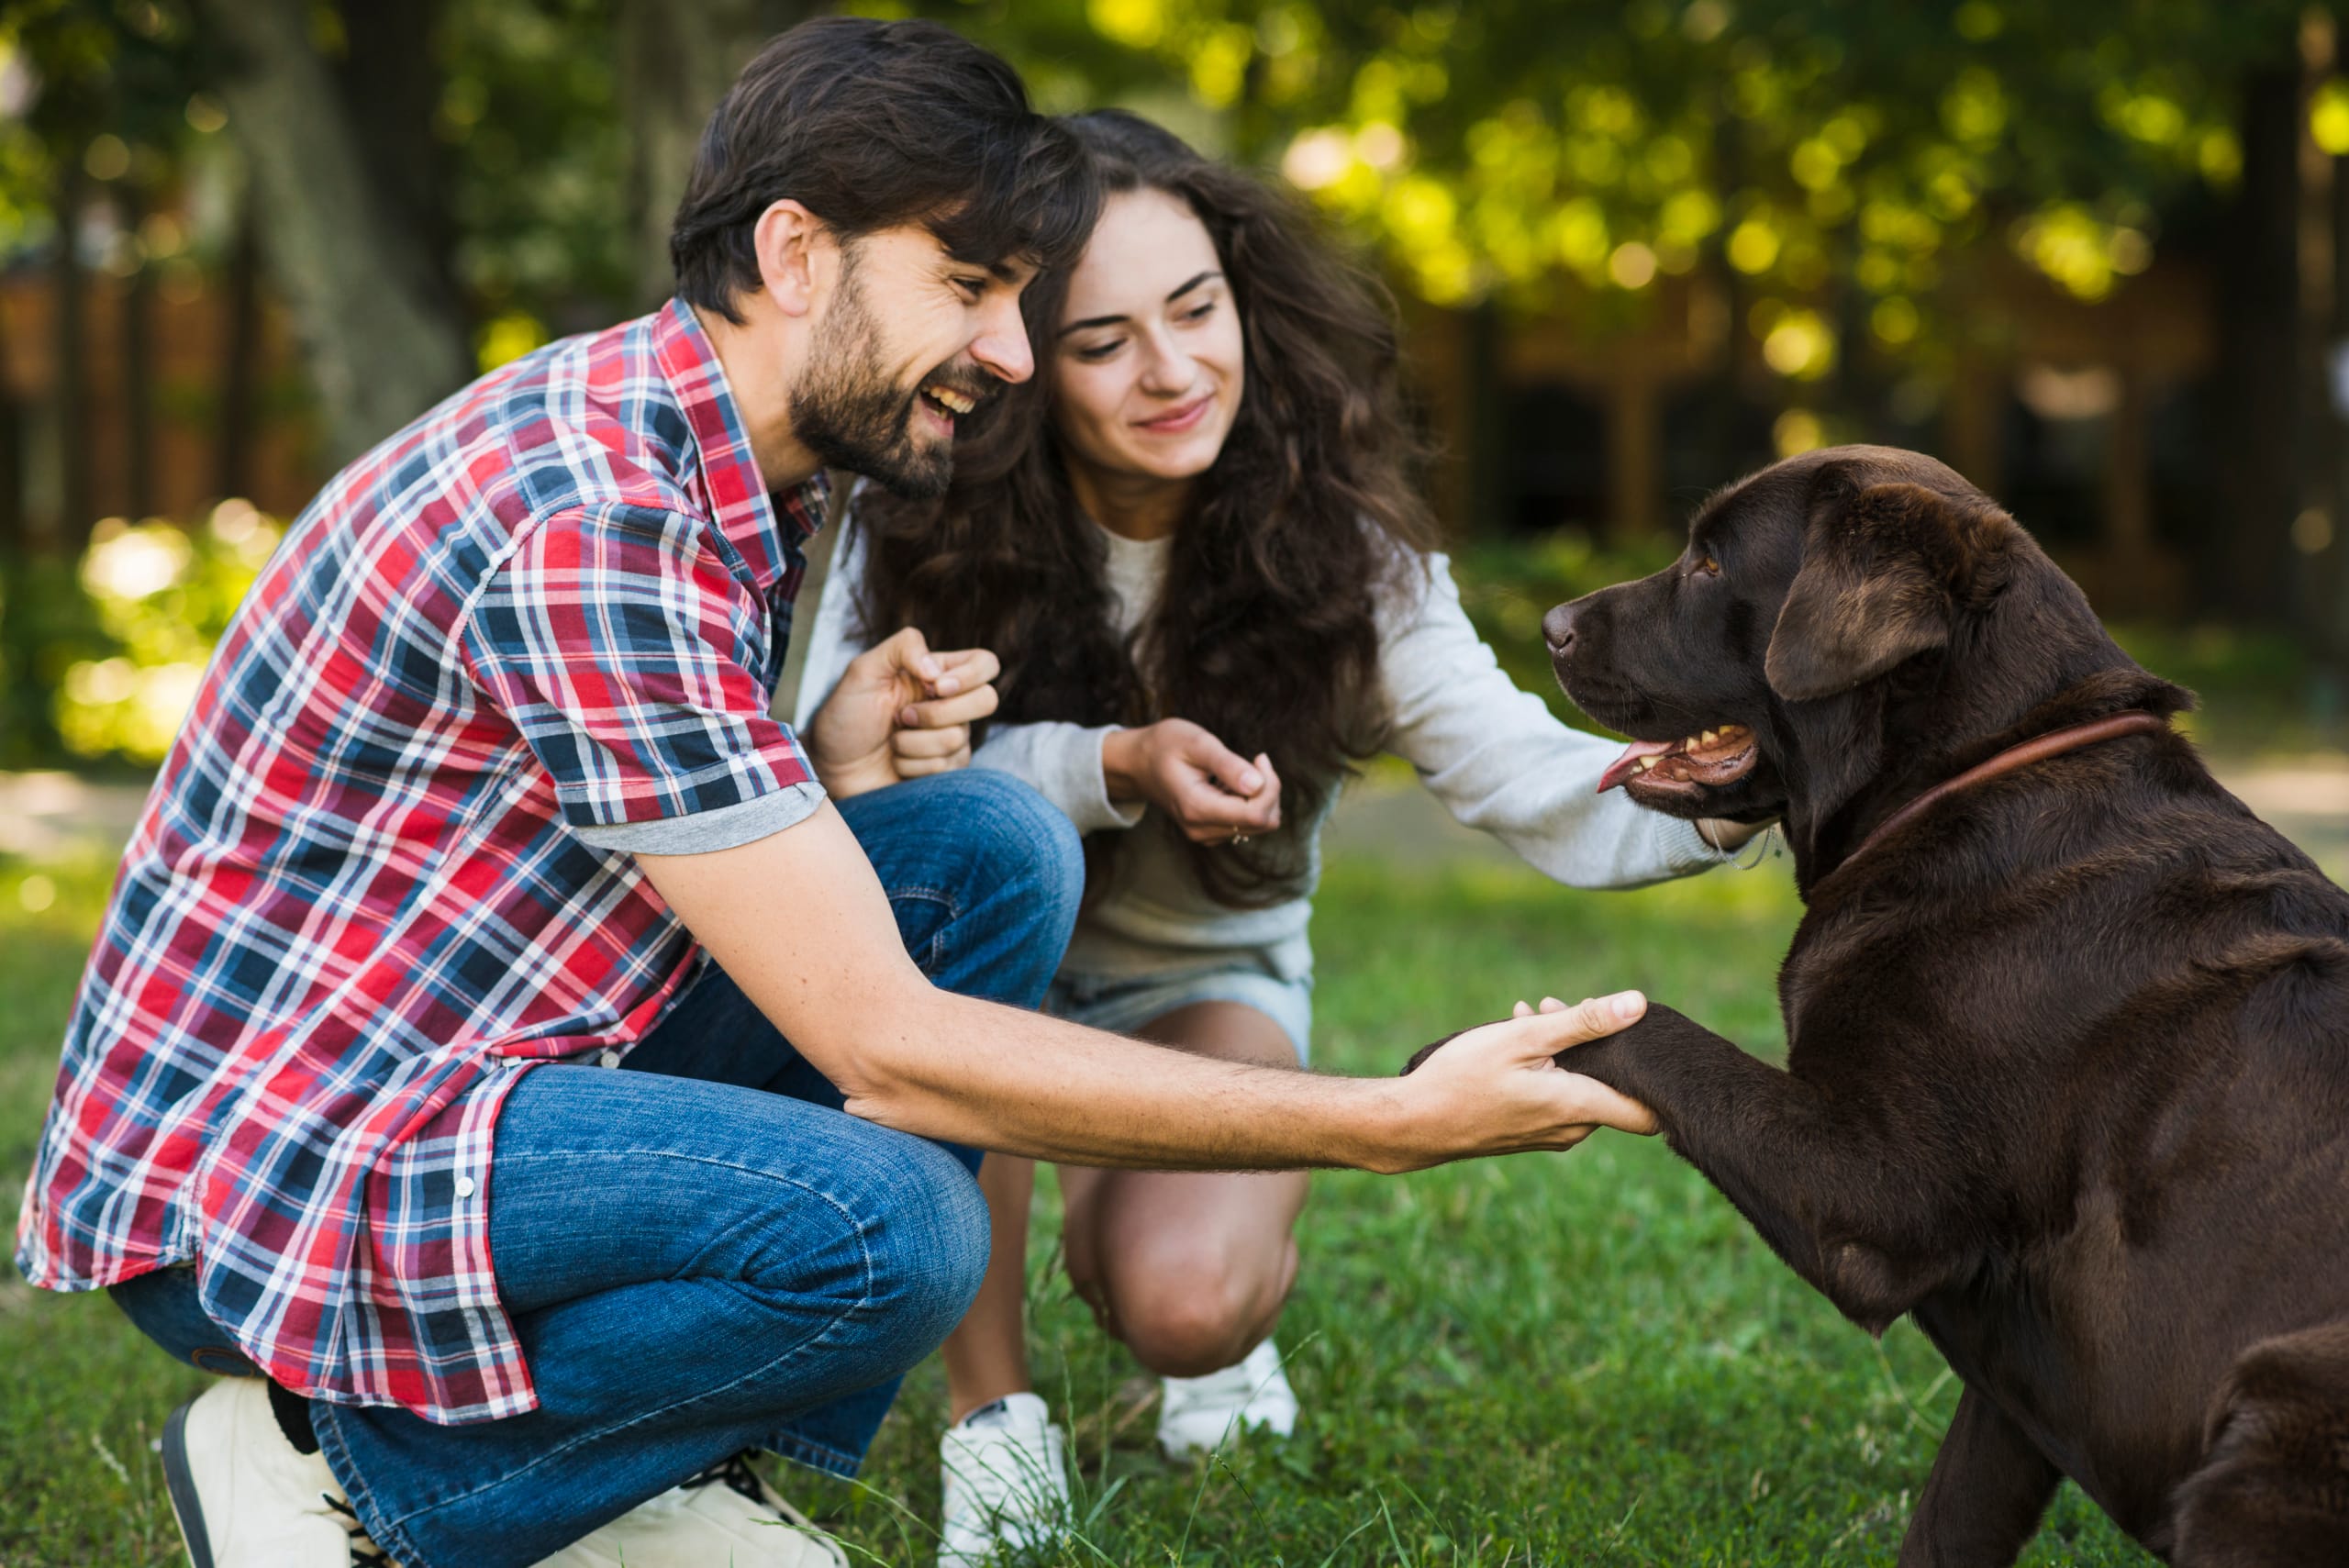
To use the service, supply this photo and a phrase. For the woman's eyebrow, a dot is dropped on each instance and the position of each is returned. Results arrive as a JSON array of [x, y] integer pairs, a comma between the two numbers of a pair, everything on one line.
[[1178, 293]]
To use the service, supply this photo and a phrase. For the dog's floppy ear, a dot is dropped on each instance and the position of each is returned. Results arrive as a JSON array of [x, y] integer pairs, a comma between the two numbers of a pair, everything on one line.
[[1883, 569]]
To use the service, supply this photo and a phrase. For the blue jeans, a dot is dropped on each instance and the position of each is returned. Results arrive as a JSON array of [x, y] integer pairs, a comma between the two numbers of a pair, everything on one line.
[[700, 1251]]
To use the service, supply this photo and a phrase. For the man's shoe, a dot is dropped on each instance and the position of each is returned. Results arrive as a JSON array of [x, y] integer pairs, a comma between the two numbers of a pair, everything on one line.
[[1005, 1472], [1199, 1415], [726, 1515], [246, 1498]]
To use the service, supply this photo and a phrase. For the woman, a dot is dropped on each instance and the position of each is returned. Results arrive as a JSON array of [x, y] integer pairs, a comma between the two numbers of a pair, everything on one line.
[[1193, 541]]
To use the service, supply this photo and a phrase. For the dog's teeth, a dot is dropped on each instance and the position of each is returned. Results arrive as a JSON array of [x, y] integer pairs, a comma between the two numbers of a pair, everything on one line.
[[1645, 764], [1707, 739]]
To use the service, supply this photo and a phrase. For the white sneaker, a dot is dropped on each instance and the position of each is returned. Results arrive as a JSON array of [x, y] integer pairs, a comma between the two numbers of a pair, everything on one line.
[[246, 1498], [724, 1516], [1199, 1415], [1005, 1472]]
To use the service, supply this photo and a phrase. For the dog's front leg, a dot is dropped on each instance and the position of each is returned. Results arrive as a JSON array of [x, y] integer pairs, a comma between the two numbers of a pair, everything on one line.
[[1983, 1501], [1856, 1208]]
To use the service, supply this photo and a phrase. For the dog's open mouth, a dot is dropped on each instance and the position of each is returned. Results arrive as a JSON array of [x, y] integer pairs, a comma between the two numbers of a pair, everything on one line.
[[1711, 758]]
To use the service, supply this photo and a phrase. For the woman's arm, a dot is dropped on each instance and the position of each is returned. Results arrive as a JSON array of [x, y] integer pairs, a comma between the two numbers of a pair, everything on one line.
[[1501, 762]]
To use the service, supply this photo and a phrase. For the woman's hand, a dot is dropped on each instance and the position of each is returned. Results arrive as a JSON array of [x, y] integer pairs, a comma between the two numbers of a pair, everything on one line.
[[900, 711], [1213, 793]]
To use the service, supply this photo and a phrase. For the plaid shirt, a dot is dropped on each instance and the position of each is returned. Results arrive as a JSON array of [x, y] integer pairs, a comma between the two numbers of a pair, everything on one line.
[[384, 870]]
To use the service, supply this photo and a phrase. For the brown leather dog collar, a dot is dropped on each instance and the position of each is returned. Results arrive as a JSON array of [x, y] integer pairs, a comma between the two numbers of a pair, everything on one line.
[[2055, 743]]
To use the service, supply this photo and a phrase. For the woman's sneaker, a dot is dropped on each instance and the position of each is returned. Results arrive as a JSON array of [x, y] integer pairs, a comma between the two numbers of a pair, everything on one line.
[[1006, 1470], [1199, 1415]]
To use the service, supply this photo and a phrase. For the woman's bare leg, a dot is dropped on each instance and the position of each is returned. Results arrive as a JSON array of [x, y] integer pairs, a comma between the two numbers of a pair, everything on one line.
[[1190, 1270], [987, 1355]]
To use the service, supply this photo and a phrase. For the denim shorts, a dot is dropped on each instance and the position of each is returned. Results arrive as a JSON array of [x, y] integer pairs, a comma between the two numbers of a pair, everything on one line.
[[1124, 1003]]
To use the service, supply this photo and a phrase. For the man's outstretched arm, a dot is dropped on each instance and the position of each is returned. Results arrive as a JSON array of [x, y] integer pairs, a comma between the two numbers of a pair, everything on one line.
[[835, 978]]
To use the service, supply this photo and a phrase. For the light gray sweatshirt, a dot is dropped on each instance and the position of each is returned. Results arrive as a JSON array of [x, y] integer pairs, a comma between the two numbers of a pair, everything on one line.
[[1493, 754]]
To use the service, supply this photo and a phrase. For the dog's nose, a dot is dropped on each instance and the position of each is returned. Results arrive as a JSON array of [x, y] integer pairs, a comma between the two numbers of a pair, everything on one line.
[[1558, 630]]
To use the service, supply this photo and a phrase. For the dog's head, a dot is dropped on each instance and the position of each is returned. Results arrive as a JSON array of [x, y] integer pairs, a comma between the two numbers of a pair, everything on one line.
[[1844, 626]]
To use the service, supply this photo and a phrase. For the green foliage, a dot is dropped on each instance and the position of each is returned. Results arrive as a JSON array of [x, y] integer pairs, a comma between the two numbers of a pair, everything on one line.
[[1840, 158], [162, 595]]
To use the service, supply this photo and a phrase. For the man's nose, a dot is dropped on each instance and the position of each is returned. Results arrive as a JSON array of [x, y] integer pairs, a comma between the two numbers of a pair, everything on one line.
[[1558, 628], [1002, 343]]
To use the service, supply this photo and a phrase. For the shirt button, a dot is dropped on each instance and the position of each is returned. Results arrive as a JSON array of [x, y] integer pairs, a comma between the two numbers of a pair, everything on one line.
[[609, 1058], [464, 1186]]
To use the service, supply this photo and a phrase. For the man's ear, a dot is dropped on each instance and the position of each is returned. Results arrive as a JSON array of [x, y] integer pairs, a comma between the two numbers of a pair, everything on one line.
[[1883, 572], [787, 238]]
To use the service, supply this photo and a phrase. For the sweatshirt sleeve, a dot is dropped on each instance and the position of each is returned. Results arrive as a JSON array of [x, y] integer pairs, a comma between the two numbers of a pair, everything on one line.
[[1502, 764], [1062, 763]]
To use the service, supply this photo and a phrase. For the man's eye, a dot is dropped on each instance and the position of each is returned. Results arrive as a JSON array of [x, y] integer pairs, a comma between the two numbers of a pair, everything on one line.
[[972, 287]]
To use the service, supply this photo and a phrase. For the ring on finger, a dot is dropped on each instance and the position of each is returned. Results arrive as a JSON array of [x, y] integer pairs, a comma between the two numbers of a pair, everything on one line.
[[1239, 839]]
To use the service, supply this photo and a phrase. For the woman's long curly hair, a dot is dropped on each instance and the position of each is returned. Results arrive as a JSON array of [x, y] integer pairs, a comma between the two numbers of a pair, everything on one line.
[[1265, 633]]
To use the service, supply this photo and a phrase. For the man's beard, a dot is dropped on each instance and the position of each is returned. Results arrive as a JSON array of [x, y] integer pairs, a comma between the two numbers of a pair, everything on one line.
[[846, 410]]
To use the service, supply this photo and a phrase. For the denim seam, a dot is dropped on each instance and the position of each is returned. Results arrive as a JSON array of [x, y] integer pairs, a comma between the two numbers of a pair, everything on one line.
[[822, 1458], [858, 1228], [937, 955]]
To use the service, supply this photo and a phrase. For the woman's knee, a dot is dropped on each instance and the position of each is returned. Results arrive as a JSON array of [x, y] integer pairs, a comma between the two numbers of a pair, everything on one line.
[[1186, 1316]]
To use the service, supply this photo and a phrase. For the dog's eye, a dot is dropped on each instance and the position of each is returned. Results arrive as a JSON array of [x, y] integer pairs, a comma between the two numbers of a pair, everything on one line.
[[1708, 565]]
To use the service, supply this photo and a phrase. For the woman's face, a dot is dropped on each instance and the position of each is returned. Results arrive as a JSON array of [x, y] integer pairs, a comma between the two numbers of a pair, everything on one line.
[[1150, 354]]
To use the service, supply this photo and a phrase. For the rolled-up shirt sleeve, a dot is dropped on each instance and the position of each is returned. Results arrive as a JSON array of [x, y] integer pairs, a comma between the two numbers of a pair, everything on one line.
[[631, 652]]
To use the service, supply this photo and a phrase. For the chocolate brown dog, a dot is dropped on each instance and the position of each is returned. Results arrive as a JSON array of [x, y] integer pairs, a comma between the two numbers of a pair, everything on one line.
[[2067, 1076]]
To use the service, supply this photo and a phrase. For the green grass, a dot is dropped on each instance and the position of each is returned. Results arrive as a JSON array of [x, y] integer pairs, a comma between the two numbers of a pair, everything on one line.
[[1573, 1358]]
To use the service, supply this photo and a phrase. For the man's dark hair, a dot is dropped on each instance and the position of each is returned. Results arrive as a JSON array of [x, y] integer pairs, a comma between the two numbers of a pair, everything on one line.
[[870, 125]]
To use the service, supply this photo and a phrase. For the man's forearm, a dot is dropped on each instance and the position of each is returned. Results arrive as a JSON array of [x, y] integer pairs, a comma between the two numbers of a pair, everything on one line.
[[835, 978], [969, 1072]]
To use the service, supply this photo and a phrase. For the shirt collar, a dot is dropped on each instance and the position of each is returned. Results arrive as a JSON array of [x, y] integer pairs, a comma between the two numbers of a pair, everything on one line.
[[741, 505]]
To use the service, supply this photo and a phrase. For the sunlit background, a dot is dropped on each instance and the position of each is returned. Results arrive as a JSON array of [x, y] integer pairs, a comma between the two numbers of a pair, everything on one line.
[[2095, 255]]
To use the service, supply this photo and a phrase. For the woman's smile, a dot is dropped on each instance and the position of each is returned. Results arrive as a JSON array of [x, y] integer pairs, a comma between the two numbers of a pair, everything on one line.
[[1180, 419]]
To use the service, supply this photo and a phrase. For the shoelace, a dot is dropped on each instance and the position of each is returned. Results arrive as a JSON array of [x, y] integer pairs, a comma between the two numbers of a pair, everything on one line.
[[364, 1549]]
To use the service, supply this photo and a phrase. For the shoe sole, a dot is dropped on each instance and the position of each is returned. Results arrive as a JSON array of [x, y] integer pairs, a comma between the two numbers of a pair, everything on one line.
[[188, 1510]]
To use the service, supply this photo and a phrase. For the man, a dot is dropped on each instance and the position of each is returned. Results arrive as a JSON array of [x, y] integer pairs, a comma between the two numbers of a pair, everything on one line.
[[481, 795]]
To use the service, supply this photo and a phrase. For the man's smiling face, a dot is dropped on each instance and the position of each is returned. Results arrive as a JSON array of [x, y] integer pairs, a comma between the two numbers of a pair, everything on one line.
[[911, 340]]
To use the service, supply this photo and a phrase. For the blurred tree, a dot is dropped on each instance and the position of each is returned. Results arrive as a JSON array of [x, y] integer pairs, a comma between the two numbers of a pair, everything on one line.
[[348, 207], [677, 57]]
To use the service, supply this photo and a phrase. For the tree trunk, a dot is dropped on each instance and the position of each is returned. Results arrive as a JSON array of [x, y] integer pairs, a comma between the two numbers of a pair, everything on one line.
[[13, 535], [390, 88], [232, 432], [138, 368], [2259, 321], [76, 504], [677, 57], [380, 337]]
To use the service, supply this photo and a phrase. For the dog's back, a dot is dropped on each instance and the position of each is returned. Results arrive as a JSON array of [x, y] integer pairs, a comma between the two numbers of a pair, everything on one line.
[[2151, 987]]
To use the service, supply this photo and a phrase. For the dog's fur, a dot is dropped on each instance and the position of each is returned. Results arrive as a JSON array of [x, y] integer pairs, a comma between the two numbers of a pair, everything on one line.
[[2067, 1076]]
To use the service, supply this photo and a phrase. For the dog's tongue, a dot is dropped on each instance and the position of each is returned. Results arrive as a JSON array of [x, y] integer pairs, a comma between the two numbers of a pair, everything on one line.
[[1620, 768]]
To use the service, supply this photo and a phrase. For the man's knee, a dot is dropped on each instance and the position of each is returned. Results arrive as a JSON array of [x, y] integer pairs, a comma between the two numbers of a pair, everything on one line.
[[1018, 836], [922, 1226]]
